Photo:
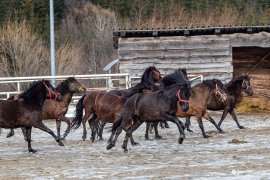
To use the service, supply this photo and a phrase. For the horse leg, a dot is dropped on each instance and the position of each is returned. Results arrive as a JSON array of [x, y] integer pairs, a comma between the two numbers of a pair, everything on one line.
[[28, 136], [93, 123], [129, 132], [63, 118], [224, 114], [166, 125], [24, 133], [58, 125], [11, 133], [209, 118], [133, 143], [146, 136], [232, 113], [187, 124], [180, 126], [157, 136], [100, 130], [199, 120], [42, 127], [111, 142]]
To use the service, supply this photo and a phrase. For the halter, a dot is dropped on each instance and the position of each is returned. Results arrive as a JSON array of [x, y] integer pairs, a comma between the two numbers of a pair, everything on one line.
[[247, 86], [157, 74], [179, 97], [52, 92], [222, 96]]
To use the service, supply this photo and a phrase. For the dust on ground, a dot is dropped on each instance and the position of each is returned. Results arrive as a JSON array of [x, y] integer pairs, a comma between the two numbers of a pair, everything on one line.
[[237, 154]]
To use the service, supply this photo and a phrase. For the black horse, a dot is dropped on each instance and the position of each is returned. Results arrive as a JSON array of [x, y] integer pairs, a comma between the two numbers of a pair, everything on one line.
[[150, 76], [234, 91], [150, 126], [27, 110], [153, 107]]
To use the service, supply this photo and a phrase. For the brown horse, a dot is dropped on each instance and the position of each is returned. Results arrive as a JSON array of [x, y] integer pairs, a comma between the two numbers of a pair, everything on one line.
[[107, 107], [200, 95], [234, 91], [27, 111], [57, 110], [154, 107]]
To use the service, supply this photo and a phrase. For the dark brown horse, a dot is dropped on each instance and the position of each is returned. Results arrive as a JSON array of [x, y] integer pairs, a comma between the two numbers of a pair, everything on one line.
[[57, 110], [153, 107], [27, 111], [234, 91], [107, 107]]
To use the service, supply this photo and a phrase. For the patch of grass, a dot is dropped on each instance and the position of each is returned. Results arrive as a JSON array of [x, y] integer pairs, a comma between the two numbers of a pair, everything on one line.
[[254, 105]]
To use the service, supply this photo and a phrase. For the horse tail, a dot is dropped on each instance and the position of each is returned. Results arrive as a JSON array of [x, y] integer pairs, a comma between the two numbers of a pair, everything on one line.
[[76, 122], [117, 123]]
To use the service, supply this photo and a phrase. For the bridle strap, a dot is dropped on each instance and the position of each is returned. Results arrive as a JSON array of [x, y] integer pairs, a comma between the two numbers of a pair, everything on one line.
[[52, 92], [247, 86], [222, 96], [179, 97]]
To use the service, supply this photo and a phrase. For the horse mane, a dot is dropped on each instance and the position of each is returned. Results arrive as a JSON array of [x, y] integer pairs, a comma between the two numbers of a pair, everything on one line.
[[211, 83], [145, 77], [184, 71], [27, 93], [175, 78], [63, 87]]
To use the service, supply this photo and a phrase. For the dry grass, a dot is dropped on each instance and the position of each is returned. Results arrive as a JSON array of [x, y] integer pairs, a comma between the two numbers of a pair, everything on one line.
[[254, 105]]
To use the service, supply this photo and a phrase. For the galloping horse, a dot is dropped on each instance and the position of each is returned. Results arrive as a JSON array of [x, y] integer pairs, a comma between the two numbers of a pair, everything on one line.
[[27, 110], [200, 95], [57, 110], [153, 107], [107, 107], [234, 91]]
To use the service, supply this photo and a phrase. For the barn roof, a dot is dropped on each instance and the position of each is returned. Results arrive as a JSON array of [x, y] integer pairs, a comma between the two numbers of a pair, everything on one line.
[[123, 33]]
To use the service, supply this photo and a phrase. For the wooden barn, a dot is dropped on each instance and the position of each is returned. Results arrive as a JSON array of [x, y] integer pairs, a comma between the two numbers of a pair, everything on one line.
[[216, 52]]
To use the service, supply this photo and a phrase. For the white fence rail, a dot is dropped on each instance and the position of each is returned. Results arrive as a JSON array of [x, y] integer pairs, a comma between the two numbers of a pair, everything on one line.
[[108, 80]]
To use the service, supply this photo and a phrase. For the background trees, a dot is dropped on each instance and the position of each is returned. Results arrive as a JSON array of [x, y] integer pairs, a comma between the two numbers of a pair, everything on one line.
[[84, 28]]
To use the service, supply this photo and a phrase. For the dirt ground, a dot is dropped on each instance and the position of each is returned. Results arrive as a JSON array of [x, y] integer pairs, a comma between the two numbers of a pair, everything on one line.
[[237, 154]]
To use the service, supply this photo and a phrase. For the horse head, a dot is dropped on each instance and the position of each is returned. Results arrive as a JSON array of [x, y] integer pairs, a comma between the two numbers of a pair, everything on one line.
[[155, 74], [246, 87], [183, 90], [150, 76], [75, 86], [219, 91], [51, 93]]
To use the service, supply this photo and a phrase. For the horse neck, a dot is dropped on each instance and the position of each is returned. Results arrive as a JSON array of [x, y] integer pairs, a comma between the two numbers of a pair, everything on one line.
[[67, 98], [234, 89], [37, 98], [136, 89], [170, 93], [202, 90]]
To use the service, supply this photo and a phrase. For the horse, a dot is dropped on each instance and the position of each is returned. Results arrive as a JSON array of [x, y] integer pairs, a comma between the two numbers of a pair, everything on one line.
[[27, 110], [107, 106], [150, 126], [154, 107], [57, 110], [234, 91]]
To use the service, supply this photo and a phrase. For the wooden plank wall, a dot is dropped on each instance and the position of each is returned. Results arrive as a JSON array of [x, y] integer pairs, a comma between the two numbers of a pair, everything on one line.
[[245, 58], [207, 55]]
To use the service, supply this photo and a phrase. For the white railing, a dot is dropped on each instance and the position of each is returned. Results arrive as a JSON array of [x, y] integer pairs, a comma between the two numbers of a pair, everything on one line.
[[108, 80]]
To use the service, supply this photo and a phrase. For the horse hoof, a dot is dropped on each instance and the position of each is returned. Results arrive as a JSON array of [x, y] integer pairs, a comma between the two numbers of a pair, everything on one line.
[[60, 143], [206, 136], [222, 132], [167, 126], [101, 139], [110, 146], [189, 130], [158, 137], [32, 151], [180, 140], [135, 144], [125, 150], [241, 127], [10, 135]]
